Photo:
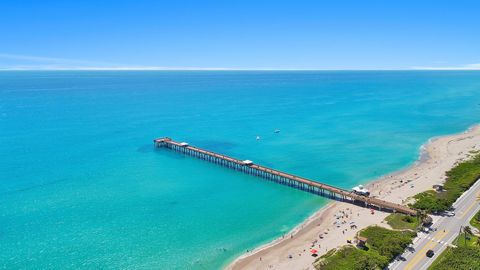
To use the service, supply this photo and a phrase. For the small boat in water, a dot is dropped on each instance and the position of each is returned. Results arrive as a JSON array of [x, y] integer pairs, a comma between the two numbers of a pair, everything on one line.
[[277, 131], [258, 137]]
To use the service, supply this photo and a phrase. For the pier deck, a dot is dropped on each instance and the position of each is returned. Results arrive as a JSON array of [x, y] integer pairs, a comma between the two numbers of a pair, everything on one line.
[[282, 177]]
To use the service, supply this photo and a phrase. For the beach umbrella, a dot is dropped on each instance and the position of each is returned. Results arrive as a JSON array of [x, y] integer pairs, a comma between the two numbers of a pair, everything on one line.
[[313, 251]]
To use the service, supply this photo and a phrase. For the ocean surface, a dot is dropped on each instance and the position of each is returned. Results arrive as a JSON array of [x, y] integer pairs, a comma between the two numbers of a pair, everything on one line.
[[81, 186]]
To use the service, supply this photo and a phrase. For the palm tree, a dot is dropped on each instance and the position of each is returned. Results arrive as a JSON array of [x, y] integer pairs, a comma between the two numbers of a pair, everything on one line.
[[467, 230], [422, 216]]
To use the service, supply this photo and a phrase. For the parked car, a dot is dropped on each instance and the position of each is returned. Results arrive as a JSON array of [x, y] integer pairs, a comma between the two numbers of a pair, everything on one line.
[[430, 253], [400, 258]]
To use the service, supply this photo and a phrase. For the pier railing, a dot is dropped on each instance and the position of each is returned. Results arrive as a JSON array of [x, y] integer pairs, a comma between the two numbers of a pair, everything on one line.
[[282, 177]]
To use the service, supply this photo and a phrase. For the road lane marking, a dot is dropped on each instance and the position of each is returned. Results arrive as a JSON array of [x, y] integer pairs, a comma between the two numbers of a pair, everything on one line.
[[440, 251], [431, 242], [471, 205], [473, 214], [416, 257], [446, 243]]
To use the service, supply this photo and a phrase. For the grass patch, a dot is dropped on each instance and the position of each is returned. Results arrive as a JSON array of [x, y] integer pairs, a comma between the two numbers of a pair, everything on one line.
[[465, 256], [402, 222], [440, 259], [475, 222], [351, 258], [382, 246], [466, 241], [459, 179], [457, 258]]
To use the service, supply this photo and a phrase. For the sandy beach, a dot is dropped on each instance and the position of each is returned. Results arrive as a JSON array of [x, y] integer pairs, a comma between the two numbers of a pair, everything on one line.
[[332, 222]]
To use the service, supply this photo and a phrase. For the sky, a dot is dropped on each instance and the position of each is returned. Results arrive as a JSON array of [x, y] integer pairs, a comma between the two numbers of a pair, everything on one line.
[[244, 34]]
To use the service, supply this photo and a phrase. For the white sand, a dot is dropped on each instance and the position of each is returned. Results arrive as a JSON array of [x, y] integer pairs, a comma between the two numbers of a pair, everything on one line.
[[438, 156]]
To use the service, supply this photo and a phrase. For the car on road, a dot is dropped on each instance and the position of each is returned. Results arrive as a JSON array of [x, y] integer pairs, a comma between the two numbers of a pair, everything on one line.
[[430, 253], [449, 213], [426, 229]]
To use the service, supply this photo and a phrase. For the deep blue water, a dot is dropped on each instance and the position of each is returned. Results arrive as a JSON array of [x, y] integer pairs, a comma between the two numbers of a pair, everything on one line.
[[81, 186]]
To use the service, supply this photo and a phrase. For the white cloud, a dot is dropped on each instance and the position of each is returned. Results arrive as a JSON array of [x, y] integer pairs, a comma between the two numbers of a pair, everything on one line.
[[47, 60], [57, 67], [29, 62], [464, 67]]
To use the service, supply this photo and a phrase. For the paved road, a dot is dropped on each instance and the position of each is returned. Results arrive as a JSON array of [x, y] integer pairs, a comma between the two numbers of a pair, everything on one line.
[[447, 229]]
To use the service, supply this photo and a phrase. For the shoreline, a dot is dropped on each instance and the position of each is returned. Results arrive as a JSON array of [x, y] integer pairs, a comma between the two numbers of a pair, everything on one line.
[[436, 156]]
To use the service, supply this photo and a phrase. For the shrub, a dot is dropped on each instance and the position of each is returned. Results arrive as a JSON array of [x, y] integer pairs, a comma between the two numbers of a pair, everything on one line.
[[458, 258], [383, 245], [351, 258], [459, 179], [476, 221], [386, 242]]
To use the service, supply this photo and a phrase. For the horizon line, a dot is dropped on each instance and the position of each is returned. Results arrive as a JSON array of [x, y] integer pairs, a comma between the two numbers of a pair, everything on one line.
[[233, 69]]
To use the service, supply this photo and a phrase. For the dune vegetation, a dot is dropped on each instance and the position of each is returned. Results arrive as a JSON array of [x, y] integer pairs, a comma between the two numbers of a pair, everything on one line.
[[381, 247], [459, 179]]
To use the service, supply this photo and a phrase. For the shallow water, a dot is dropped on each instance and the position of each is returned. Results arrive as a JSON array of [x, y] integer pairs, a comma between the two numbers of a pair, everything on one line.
[[81, 186]]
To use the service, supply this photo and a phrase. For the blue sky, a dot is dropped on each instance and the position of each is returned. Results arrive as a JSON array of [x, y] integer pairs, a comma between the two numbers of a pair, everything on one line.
[[242, 34]]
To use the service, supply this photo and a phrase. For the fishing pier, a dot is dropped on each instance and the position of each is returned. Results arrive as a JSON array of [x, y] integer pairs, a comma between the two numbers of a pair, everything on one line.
[[287, 179]]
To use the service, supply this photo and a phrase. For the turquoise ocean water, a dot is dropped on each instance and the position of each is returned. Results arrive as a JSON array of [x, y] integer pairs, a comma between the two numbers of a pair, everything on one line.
[[81, 186]]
